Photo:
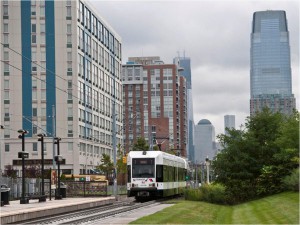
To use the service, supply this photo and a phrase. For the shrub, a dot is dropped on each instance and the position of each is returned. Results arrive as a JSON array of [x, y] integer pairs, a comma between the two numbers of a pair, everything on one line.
[[214, 193], [192, 194], [291, 182]]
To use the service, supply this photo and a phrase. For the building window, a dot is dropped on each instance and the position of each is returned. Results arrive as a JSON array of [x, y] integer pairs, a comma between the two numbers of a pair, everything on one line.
[[33, 38], [5, 38], [33, 55], [43, 39], [5, 10], [33, 10], [42, 11], [43, 112], [43, 66], [35, 146], [42, 28], [69, 39], [69, 28], [43, 55], [34, 129], [70, 130], [6, 147], [33, 28], [43, 94], [69, 12], [6, 84], [70, 112], [70, 146], [34, 94], [6, 132], [6, 94], [6, 67], [34, 84], [34, 111], [5, 28], [69, 56], [6, 112], [69, 65]]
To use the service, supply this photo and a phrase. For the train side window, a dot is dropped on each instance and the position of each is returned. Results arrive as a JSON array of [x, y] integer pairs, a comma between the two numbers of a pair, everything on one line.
[[165, 174], [159, 173]]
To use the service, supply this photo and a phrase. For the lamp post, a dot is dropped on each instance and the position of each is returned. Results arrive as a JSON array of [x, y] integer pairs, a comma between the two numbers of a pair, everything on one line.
[[23, 155], [58, 158], [41, 139], [207, 168]]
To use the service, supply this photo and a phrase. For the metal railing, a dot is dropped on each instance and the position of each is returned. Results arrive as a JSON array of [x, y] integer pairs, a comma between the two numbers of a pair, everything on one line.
[[73, 188]]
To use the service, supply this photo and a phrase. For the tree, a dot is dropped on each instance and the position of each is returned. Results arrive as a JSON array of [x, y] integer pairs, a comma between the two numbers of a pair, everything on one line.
[[33, 171], [10, 171], [255, 160], [140, 145], [107, 165], [121, 166]]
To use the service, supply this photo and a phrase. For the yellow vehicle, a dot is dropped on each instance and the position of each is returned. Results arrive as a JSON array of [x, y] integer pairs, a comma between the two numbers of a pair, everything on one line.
[[91, 177]]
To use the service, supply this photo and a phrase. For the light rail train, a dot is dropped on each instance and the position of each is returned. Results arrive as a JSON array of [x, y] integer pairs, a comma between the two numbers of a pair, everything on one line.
[[153, 174]]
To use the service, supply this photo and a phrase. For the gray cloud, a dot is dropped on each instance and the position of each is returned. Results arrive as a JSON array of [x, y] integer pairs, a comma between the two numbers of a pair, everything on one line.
[[214, 34]]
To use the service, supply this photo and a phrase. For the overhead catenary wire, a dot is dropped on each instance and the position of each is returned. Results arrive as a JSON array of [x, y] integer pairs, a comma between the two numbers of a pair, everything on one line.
[[92, 94]]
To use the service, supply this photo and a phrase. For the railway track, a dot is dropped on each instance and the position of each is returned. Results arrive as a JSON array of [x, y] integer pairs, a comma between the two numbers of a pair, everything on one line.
[[90, 216]]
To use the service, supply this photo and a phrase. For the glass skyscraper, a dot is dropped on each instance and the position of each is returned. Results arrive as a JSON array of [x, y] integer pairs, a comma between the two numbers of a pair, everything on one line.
[[185, 63], [270, 74]]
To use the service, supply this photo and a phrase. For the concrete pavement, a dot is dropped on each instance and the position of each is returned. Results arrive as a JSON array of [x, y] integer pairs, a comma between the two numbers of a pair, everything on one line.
[[15, 212]]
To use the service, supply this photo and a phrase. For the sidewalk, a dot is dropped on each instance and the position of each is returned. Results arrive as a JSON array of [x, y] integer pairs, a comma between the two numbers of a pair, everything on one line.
[[16, 212]]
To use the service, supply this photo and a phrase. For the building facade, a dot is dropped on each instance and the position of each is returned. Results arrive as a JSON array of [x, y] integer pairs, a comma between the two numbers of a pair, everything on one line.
[[229, 122], [154, 104], [61, 76], [185, 64], [270, 73], [205, 145]]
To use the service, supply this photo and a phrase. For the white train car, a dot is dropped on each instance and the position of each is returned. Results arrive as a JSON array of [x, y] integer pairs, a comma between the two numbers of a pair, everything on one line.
[[153, 174]]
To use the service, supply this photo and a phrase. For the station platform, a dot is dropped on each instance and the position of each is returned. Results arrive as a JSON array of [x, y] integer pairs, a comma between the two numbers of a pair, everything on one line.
[[16, 212]]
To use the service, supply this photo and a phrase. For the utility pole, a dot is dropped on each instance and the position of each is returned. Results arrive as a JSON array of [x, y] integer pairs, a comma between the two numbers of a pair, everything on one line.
[[114, 138], [53, 137], [41, 139], [58, 159], [23, 155]]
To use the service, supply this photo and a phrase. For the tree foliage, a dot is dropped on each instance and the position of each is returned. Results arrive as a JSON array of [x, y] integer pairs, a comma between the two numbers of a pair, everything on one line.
[[255, 160], [140, 145], [106, 165], [10, 171]]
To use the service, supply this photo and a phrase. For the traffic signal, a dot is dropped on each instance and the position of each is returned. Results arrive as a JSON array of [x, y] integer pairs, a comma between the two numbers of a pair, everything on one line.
[[124, 159]]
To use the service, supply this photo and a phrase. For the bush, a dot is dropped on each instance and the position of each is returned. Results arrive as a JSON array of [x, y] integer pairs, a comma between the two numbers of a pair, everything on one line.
[[214, 193], [291, 182]]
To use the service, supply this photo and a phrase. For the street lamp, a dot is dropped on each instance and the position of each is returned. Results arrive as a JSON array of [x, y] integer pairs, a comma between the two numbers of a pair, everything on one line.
[[23, 155], [58, 159], [42, 198], [207, 163]]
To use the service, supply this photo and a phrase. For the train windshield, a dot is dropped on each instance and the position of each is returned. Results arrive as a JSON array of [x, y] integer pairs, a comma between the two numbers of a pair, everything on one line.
[[143, 168]]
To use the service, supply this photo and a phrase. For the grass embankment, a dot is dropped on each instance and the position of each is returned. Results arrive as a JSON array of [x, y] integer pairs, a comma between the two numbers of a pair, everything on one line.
[[278, 209]]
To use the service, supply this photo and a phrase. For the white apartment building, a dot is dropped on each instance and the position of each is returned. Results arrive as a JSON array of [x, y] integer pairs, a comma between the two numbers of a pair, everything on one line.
[[60, 75]]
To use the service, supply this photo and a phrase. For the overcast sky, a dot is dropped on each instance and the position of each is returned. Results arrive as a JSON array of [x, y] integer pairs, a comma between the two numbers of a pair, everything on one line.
[[214, 34]]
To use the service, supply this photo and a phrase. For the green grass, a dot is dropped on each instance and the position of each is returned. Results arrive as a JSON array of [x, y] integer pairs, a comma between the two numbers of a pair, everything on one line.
[[278, 209]]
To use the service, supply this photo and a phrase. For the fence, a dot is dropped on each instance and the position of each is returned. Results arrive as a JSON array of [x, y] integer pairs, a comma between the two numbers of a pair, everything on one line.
[[73, 188]]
